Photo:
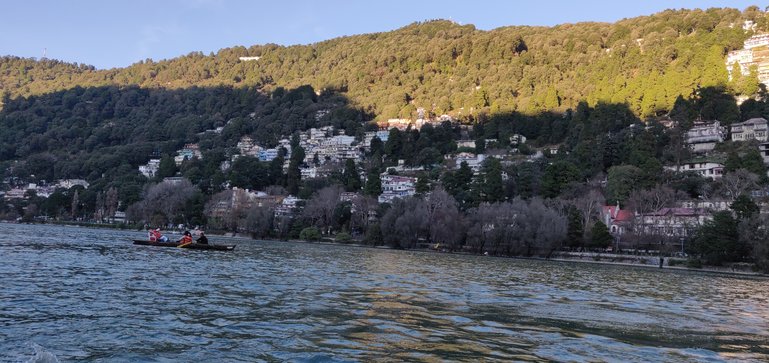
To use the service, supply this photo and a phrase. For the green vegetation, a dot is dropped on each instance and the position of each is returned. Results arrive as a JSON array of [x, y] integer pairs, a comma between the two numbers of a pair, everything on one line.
[[310, 234]]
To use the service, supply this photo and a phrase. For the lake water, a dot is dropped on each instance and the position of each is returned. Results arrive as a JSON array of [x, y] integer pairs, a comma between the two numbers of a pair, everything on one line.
[[76, 294]]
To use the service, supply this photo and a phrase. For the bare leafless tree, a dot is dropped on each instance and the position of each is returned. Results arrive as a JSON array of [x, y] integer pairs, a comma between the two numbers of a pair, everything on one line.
[[259, 221], [732, 185], [227, 209], [320, 208], [363, 209], [162, 202], [589, 203], [651, 200], [444, 220]]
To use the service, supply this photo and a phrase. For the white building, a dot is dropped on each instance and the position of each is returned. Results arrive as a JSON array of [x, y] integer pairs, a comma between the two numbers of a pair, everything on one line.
[[247, 146], [466, 143], [704, 136], [753, 129], [289, 206], [69, 183], [309, 173], [475, 162], [150, 169], [708, 168], [396, 186]]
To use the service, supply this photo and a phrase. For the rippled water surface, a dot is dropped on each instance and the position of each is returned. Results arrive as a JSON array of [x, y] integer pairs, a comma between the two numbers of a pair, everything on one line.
[[77, 294]]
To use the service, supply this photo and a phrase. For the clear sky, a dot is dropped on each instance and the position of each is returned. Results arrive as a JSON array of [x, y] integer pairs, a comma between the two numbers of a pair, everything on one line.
[[115, 33]]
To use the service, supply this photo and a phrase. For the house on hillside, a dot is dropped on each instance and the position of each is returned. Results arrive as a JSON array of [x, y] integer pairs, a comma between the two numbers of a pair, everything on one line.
[[672, 222], [150, 169], [753, 129], [396, 186], [703, 136], [709, 167], [188, 152]]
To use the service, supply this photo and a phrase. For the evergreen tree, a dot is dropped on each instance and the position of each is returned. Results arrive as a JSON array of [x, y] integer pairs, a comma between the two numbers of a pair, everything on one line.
[[377, 146], [350, 176], [717, 240], [464, 175], [557, 175], [600, 236], [744, 207], [167, 168], [276, 176], [480, 145], [423, 184], [493, 188], [754, 163], [733, 162], [394, 145], [294, 175], [575, 233], [373, 183]]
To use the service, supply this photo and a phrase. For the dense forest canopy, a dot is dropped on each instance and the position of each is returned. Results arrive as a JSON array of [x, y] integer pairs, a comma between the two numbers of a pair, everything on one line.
[[644, 62]]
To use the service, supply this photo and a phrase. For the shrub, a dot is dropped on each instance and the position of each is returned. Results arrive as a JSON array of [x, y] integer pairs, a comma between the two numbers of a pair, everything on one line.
[[310, 234], [343, 237]]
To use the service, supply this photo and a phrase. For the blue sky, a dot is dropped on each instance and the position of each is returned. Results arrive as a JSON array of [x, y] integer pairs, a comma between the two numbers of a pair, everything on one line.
[[113, 33]]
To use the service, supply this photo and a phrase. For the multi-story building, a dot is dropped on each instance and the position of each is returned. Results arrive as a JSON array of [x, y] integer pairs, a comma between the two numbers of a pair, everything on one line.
[[755, 54], [396, 186], [69, 183], [268, 154], [150, 169], [188, 152], [289, 207], [672, 222], [708, 167], [753, 129], [704, 136], [247, 146], [475, 162]]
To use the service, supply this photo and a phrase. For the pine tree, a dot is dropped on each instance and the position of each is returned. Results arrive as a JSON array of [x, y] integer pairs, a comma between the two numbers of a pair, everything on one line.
[[294, 175], [167, 168], [493, 187], [423, 185], [350, 177], [373, 183], [600, 236]]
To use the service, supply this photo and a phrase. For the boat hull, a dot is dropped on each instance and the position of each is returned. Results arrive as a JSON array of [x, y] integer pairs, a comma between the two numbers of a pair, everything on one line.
[[191, 246]]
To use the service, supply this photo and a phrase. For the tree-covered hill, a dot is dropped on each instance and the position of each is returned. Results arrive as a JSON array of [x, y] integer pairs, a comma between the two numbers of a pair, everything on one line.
[[645, 62]]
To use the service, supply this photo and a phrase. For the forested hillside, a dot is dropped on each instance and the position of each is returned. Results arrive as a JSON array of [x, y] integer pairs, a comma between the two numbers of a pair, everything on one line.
[[645, 62]]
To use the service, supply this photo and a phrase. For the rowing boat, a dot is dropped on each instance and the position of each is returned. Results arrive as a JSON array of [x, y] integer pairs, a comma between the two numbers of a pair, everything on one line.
[[192, 246]]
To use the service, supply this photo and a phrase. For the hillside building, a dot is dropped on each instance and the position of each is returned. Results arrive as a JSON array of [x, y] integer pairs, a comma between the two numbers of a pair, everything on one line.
[[753, 129]]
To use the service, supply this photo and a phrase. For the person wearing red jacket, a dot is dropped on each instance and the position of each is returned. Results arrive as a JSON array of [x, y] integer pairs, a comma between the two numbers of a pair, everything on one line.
[[155, 235], [186, 238]]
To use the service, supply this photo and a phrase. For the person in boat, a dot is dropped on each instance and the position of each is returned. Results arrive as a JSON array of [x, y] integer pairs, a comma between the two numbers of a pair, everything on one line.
[[202, 239], [186, 238], [156, 236]]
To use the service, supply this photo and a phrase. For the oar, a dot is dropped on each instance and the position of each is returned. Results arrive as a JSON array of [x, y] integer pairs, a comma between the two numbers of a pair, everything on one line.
[[184, 244]]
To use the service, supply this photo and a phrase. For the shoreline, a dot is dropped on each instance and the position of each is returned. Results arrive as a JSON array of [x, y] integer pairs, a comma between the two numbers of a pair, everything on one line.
[[580, 257], [712, 270]]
